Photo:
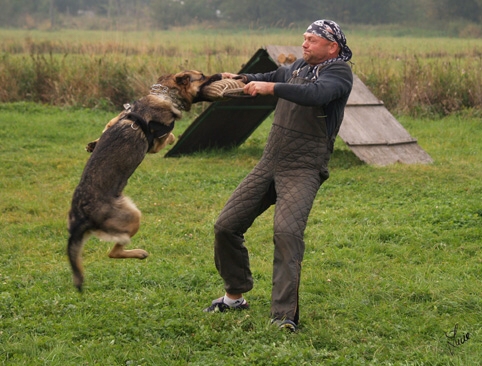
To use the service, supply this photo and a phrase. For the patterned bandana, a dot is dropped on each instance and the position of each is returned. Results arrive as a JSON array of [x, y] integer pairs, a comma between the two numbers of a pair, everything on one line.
[[331, 31]]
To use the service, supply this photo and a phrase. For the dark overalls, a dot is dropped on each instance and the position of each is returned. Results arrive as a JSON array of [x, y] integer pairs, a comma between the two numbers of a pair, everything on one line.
[[289, 174]]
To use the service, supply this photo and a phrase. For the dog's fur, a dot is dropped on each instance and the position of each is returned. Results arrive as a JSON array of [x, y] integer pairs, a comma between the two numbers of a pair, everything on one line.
[[98, 206]]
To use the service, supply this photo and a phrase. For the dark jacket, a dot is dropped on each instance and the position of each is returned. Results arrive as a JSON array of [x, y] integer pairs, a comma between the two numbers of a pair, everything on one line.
[[330, 89]]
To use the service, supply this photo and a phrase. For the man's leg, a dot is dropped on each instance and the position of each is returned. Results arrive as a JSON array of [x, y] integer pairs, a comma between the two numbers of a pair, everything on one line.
[[296, 193], [250, 199]]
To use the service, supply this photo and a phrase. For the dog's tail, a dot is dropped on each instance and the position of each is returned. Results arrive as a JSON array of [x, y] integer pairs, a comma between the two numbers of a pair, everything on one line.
[[79, 233]]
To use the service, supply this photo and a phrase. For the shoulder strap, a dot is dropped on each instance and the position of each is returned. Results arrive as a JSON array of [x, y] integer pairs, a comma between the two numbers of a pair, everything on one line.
[[142, 123]]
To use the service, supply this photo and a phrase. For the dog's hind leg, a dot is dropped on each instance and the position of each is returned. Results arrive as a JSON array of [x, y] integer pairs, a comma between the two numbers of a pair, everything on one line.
[[126, 224], [118, 251]]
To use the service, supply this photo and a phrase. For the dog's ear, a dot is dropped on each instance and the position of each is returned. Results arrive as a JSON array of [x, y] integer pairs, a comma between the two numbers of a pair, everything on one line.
[[183, 79]]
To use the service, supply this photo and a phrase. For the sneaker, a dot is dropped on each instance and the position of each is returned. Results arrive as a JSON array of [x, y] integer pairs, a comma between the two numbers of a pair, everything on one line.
[[285, 324], [218, 305]]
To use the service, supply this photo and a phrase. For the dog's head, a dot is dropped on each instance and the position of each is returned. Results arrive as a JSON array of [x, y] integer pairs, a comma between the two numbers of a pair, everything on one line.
[[179, 91], [187, 86]]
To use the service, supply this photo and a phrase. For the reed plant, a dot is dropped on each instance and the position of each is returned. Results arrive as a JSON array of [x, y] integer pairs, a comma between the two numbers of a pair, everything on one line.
[[416, 76]]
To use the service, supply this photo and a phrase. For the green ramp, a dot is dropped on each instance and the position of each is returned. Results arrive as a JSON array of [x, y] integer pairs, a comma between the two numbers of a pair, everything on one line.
[[229, 123]]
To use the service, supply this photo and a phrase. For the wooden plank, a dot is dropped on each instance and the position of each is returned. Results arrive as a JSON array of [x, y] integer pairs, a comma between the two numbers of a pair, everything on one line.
[[371, 124], [361, 95], [387, 143], [384, 155]]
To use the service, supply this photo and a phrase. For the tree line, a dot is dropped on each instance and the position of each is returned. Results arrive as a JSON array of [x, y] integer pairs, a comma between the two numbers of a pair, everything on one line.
[[162, 14]]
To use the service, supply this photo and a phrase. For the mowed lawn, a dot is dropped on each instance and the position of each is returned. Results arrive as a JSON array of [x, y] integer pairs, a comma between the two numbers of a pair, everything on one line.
[[392, 270]]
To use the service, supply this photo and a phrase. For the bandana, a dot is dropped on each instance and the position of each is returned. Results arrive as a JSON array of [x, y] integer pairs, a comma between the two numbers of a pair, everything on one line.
[[331, 31]]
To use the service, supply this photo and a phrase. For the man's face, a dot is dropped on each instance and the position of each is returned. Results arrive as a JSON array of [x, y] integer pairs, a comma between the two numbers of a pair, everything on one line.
[[317, 49]]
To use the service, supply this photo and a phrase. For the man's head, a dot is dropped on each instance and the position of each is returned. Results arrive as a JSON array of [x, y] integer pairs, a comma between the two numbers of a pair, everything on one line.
[[324, 40]]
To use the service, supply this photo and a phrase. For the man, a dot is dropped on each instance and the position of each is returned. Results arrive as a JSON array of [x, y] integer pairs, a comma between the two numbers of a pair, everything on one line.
[[312, 93]]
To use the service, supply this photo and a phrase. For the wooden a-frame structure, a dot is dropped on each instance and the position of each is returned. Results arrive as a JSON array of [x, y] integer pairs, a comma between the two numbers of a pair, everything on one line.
[[368, 128]]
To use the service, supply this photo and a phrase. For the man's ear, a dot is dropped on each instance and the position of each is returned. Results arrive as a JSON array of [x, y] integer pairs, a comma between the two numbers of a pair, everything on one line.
[[335, 48]]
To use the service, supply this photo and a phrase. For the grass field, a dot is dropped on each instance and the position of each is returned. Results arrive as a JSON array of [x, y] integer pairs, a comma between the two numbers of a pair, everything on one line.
[[392, 266]]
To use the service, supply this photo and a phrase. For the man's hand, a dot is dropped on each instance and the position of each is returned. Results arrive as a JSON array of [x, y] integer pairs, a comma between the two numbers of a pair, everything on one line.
[[259, 88]]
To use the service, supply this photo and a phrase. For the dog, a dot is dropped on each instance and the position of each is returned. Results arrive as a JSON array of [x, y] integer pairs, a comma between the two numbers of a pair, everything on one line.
[[98, 206]]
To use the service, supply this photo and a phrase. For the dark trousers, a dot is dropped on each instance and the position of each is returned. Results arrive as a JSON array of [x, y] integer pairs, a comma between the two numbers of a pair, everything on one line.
[[283, 178]]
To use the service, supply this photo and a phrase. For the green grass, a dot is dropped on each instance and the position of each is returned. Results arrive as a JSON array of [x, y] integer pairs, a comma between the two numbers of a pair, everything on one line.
[[392, 263]]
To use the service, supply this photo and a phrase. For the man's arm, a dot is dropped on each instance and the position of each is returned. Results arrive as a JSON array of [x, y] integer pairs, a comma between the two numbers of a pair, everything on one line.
[[335, 81]]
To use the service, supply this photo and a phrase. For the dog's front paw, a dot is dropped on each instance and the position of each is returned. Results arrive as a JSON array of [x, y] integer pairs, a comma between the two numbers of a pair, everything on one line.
[[91, 146], [171, 139]]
